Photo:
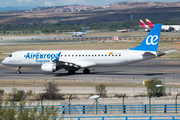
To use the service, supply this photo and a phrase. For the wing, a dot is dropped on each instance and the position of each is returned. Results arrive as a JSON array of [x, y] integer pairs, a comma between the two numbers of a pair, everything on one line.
[[75, 64]]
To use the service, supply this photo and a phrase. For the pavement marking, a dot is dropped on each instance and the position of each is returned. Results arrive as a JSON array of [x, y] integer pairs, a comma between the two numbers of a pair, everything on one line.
[[21, 68]]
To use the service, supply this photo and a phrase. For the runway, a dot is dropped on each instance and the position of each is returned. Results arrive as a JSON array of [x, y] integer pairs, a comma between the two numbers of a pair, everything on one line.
[[166, 69]]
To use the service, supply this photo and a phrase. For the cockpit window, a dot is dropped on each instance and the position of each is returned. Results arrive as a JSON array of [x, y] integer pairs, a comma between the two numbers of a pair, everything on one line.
[[10, 55]]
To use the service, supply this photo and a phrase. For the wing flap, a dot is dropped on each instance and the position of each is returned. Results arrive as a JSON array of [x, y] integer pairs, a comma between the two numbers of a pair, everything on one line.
[[79, 64]]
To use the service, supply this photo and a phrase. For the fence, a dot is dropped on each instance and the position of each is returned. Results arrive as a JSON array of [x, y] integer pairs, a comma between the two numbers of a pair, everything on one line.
[[126, 117], [114, 108]]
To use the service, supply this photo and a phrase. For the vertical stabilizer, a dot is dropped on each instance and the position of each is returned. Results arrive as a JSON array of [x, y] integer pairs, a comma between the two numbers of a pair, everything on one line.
[[150, 43], [143, 24], [84, 31], [149, 23]]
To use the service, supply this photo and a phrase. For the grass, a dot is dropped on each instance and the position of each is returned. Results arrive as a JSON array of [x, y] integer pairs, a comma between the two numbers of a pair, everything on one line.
[[65, 83], [70, 83]]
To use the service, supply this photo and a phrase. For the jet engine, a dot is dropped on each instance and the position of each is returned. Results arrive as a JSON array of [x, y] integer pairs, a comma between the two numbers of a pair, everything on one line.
[[48, 67]]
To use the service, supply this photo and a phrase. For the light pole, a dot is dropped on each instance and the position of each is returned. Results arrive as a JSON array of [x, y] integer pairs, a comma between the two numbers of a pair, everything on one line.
[[170, 86], [92, 97]]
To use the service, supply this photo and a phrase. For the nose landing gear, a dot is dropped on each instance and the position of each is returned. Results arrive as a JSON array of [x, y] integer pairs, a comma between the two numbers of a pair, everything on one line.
[[18, 71]]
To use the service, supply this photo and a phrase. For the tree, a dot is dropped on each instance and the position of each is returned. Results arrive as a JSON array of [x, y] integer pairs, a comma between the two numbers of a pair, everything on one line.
[[152, 89], [101, 89], [52, 91]]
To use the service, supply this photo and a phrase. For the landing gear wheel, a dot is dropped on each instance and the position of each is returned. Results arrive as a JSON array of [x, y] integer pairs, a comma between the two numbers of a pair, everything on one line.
[[18, 71], [71, 72], [86, 71]]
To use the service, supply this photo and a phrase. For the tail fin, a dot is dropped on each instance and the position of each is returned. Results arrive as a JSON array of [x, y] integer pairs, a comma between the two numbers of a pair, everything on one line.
[[150, 43], [149, 23], [142, 24], [84, 31]]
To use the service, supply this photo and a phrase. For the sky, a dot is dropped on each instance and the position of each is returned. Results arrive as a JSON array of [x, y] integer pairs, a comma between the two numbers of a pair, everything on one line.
[[4, 3]]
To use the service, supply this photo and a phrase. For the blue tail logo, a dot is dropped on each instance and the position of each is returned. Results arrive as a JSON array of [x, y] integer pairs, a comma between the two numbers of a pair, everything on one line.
[[84, 31], [151, 41]]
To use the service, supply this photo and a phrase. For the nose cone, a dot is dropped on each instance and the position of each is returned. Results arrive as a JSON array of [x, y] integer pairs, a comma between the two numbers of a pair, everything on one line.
[[4, 61]]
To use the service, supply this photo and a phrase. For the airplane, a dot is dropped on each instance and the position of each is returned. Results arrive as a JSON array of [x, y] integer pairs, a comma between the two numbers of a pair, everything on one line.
[[147, 28], [175, 28], [124, 30], [79, 34], [165, 28], [73, 60]]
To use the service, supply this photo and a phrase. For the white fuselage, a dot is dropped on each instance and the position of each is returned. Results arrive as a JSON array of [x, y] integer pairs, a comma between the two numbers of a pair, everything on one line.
[[96, 57]]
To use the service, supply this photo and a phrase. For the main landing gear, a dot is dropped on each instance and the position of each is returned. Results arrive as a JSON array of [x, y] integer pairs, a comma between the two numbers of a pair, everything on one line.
[[18, 71], [86, 71], [71, 72]]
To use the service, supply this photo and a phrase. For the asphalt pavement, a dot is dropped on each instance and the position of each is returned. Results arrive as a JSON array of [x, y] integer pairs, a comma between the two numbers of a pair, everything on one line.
[[166, 69]]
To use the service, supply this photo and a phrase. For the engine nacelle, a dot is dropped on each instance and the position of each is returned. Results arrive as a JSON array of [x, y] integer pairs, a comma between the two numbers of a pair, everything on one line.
[[48, 67]]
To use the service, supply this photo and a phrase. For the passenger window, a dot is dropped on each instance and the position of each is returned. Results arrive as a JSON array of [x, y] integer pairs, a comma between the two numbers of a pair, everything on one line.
[[72, 55], [112, 55], [109, 55], [89, 55], [69, 55]]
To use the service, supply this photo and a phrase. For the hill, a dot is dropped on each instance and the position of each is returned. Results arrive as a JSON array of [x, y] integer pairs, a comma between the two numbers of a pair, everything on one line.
[[121, 11]]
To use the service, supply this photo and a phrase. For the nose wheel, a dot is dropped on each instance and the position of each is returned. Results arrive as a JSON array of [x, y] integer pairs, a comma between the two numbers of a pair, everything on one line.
[[18, 71]]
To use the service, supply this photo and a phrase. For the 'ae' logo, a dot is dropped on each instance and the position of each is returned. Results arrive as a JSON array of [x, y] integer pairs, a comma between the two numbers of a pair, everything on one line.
[[152, 40]]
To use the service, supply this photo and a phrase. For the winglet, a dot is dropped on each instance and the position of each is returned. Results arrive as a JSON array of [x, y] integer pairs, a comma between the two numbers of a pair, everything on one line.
[[150, 43]]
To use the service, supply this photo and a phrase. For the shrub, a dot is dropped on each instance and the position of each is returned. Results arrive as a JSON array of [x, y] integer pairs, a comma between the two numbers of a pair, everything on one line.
[[101, 89], [119, 95], [52, 92], [20, 95], [13, 112], [1, 92], [29, 92], [152, 89]]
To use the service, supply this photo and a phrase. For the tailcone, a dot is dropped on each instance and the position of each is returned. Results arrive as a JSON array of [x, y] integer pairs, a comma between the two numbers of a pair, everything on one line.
[[160, 54]]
